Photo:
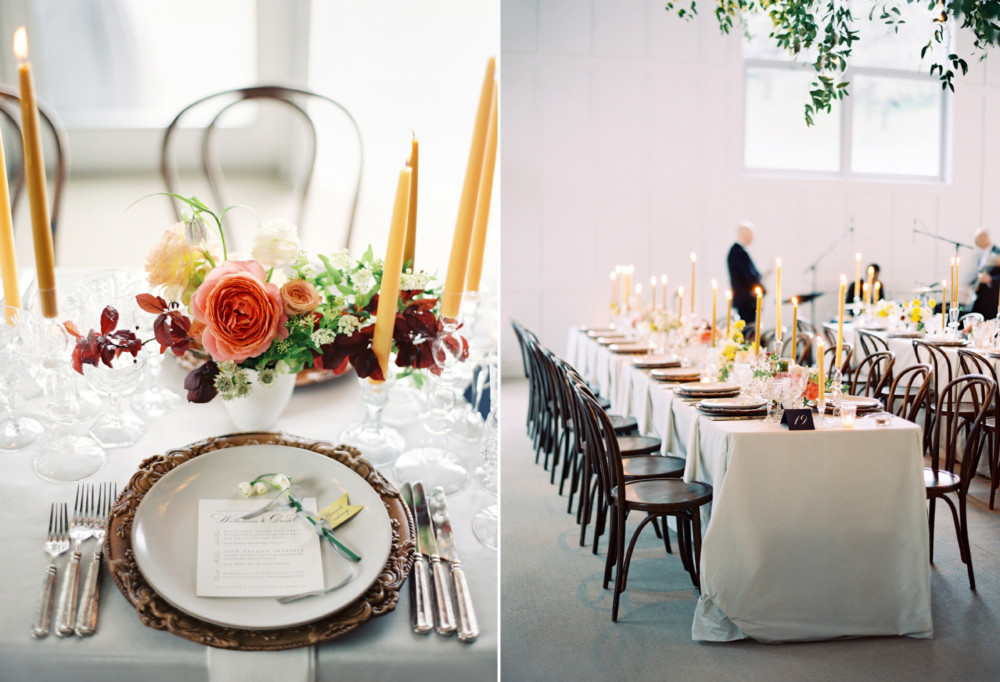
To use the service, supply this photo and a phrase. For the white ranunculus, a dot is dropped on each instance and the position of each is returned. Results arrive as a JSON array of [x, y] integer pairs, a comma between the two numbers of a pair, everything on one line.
[[275, 242]]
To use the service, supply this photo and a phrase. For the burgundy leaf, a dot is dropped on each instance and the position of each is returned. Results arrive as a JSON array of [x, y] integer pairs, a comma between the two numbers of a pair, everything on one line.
[[200, 383], [109, 319], [151, 304]]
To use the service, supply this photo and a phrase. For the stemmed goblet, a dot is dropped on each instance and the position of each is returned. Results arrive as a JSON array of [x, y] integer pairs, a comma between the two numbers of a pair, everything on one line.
[[484, 523], [380, 444], [16, 432]]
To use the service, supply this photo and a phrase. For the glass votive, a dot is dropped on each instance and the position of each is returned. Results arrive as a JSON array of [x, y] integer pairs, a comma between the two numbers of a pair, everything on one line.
[[883, 419], [847, 414]]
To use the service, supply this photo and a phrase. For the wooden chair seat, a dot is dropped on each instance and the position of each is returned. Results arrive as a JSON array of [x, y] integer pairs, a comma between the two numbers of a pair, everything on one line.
[[664, 495], [630, 446], [940, 482], [652, 466], [622, 425]]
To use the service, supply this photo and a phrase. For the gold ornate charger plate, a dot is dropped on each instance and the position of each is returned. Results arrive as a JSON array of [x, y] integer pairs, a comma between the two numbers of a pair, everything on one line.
[[906, 335], [949, 343], [156, 612], [608, 340], [656, 361], [862, 403], [676, 374], [714, 388], [628, 348]]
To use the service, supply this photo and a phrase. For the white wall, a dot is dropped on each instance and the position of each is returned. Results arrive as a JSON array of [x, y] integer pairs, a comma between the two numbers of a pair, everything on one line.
[[622, 139]]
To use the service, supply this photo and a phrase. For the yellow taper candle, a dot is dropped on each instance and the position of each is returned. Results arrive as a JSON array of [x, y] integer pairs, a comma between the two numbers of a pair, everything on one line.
[[652, 291], [954, 287], [483, 202], [871, 285], [857, 276], [840, 323], [729, 310], [638, 297], [878, 293], [944, 305], [694, 257], [388, 294], [34, 171], [614, 288], [459, 259], [821, 379], [8, 254], [795, 326], [663, 291], [777, 301], [411, 213], [951, 280], [756, 331], [680, 301], [715, 295]]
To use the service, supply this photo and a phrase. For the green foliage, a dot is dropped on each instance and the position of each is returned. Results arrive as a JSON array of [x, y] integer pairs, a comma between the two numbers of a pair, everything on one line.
[[827, 27]]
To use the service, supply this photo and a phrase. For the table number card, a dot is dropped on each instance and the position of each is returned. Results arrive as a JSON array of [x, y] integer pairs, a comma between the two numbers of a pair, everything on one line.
[[271, 555], [798, 420]]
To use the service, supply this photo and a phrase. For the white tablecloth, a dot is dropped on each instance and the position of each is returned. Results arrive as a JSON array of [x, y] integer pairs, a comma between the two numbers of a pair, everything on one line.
[[811, 535], [123, 649]]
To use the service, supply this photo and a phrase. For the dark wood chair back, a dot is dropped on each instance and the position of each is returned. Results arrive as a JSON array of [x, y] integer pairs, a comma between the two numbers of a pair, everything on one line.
[[295, 100], [958, 435], [910, 392], [873, 374], [871, 343], [14, 149], [935, 356], [830, 355]]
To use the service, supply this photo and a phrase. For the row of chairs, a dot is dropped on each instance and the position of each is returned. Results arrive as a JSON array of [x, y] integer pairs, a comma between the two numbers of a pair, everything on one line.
[[960, 415], [612, 470]]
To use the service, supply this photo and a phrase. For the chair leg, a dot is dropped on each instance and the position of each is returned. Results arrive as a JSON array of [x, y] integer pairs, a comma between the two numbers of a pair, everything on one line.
[[602, 515], [631, 548], [994, 465], [609, 562], [583, 512], [620, 574], [656, 529], [963, 540], [958, 529], [696, 532]]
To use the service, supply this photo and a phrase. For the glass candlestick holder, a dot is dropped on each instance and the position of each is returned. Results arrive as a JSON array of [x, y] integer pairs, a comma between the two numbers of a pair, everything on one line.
[[380, 444], [485, 521], [435, 462]]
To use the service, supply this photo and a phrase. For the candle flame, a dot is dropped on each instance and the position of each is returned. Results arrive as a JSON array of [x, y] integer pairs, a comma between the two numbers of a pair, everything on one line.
[[613, 276], [663, 280], [871, 270], [820, 342], [652, 280], [694, 257], [795, 301], [843, 279], [778, 262], [729, 294], [715, 284], [858, 256], [680, 291], [758, 291], [638, 288], [21, 44]]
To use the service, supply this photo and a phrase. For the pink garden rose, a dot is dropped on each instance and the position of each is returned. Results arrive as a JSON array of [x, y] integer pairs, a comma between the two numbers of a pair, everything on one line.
[[242, 313]]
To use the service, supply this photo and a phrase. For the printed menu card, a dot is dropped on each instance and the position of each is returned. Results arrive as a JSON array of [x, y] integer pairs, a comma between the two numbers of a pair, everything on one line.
[[270, 555]]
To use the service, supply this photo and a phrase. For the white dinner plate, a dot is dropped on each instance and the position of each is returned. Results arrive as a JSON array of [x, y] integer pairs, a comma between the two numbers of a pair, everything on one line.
[[861, 402], [165, 532], [705, 389]]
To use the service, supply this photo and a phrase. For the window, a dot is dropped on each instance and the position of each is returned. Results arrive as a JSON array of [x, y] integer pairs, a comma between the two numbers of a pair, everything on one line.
[[891, 125]]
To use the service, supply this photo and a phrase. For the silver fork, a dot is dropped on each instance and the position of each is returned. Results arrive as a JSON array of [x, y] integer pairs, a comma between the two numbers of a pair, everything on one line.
[[56, 543], [86, 622], [79, 531]]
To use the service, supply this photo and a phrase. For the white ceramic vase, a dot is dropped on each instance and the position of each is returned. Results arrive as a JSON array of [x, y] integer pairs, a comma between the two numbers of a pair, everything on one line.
[[260, 410]]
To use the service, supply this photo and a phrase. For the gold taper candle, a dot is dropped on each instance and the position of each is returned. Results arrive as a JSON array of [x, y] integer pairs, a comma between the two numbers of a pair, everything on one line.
[[715, 295], [483, 202], [729, 310], [614, 288], [694, 257], [944, 305], [840, 323], [878, 293], [388, 295], [871, 285], [795, 327], [821, 379], [857, 277], [680, 301], [663, 291], [777, 301], [954, 287], [867, 293], [411, 212], [8, 252], [638, 297], [652, 291], [34, 171], [756, 331], [458, 261]]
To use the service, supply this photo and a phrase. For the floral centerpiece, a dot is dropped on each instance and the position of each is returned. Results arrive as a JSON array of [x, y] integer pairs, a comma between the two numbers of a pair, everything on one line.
[[911, 314], [728, 350], [274, 312]]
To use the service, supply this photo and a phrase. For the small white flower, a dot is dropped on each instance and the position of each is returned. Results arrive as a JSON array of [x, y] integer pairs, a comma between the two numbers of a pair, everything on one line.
[[245, 489], [321, 336], [340, 260], [260, 488], [348, 324], [282, 482], [414, 281], [276, 242], [363, 280]]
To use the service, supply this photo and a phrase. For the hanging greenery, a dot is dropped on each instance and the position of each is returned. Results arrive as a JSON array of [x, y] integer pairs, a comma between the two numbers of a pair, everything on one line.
[[828, 28]]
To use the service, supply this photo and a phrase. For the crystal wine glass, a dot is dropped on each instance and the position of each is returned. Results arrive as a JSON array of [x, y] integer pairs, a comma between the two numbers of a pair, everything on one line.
[[16, 432], [484, 523], [380, 444]]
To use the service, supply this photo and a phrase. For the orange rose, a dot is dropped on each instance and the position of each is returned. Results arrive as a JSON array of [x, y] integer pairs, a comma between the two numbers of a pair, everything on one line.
[[241, 312], [299, 297]]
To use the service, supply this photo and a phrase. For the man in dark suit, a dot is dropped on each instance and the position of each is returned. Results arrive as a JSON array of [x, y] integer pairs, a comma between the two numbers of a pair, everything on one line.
[[986, 280], [743, 275]]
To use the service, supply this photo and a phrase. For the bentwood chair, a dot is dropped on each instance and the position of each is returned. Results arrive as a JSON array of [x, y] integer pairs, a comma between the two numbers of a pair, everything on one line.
[[802, 351], [657, 498], [871, 343], [298, 102], [974, 363], [961, 457], [13, 148], [910, 392], [830, 354], [873, 374]]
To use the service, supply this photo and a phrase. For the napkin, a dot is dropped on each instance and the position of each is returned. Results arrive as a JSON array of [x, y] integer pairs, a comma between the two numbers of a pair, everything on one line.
[[292, 665]]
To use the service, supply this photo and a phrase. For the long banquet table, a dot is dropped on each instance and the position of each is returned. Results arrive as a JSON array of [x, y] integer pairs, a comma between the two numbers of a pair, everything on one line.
[[123, 649], [811, 535]]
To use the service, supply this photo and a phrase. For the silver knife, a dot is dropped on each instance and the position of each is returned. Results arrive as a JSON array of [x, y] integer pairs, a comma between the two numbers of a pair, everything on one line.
[[421, 608], [468, 626], [439, 573]]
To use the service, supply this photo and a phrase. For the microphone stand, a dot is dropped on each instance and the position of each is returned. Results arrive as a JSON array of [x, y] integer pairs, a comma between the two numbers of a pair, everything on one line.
[[956, 244], [815, 264]]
